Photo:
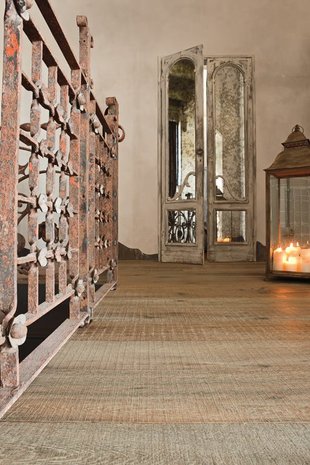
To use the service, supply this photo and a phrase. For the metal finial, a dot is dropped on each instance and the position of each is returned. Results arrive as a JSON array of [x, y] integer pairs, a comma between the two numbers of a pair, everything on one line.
[[298, 128]]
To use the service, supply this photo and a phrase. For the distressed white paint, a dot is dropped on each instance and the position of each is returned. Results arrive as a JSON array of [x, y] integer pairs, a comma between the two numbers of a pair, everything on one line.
[[184, 253]]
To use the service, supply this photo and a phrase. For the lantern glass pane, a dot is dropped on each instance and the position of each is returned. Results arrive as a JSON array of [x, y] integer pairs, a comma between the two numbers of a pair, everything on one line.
[[274, 211], [290, 224]]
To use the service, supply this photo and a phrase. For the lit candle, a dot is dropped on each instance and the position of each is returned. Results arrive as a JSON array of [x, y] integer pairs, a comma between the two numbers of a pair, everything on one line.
[[278, 258], [291, 263], [293, 251], [292, 260], [305, 260], [223, 239]]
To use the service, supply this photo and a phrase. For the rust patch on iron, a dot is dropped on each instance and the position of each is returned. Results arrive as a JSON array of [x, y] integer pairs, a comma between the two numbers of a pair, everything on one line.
[[12, 46]]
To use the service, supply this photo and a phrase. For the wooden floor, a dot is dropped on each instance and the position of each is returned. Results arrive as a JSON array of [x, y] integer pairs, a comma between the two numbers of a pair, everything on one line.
[[182, 365], [153, 279]]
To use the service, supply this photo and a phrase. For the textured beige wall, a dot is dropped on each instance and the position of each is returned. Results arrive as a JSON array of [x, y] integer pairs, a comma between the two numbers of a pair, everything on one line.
[[130, 35]]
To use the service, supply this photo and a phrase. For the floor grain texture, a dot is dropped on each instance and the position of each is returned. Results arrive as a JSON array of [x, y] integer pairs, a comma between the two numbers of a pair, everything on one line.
[[182, 365]]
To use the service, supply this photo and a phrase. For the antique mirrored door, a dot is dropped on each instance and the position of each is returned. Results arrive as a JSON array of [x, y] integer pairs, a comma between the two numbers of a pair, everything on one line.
[[231, 160], [181, 157]]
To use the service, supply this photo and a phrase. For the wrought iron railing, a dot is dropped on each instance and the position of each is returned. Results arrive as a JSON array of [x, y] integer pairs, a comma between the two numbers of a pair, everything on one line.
[[58, 190]]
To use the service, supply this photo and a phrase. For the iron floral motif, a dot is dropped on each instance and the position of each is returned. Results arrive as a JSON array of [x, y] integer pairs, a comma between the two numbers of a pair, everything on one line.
[[182, 226]]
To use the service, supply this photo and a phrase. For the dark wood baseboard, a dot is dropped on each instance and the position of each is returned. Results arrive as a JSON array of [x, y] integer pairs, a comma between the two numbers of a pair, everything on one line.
[[126, 253], [261, 252]]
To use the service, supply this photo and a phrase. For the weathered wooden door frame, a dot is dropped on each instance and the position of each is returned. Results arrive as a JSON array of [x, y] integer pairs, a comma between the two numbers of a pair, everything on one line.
[[168, 252], [215, 252], [230, 251]]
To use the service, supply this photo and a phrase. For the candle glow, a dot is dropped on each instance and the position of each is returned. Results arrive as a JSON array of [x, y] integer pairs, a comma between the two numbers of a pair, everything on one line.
[[292, 258]]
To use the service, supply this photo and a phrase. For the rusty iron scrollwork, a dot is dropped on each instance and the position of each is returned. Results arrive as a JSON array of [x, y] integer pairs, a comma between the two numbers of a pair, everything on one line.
[[59, 183]]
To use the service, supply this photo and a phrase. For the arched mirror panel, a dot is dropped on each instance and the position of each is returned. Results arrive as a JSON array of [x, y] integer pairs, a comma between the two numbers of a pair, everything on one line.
[[230, 194], [181, 157], [229, 107], [181, 132]]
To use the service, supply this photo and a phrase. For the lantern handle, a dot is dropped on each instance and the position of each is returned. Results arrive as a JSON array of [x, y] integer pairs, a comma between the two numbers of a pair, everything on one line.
[[298, 128]]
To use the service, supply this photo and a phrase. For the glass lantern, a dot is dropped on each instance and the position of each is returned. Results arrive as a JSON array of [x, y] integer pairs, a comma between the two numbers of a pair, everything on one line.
[[288, 209]]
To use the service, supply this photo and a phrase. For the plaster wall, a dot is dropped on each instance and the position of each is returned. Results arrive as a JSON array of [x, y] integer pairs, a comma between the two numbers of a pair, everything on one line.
[[130, 35]]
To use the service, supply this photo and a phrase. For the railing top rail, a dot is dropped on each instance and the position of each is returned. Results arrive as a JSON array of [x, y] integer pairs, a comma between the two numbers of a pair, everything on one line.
[[57, 32], [55, 28], [33, 34]]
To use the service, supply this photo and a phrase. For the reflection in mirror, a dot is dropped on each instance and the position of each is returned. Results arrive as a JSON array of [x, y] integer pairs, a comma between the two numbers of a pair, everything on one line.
[[230, 226], [229, 134], [181, 115]]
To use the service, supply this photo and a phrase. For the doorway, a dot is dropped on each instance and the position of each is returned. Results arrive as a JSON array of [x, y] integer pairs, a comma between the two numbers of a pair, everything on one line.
[[206, 158]]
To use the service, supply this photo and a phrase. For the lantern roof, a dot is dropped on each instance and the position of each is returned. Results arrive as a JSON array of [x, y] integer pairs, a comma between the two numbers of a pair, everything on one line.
[[296, 153]]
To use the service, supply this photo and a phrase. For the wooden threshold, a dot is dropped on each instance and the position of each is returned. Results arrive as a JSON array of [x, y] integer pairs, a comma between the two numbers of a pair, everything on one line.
[[32, 366]]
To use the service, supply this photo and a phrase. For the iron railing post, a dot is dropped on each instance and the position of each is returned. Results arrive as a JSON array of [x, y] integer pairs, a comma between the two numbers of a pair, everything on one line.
[[113, 119], [10, 111], [74, 188], [85, 46]]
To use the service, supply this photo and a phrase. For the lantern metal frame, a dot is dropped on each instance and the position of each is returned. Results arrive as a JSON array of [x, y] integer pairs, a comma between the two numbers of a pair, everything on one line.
[[292, 162]]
